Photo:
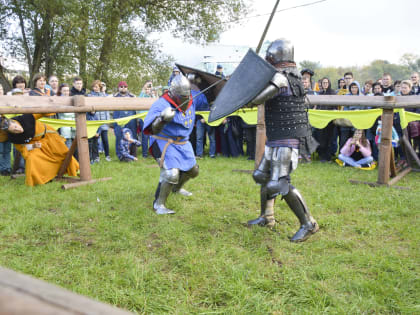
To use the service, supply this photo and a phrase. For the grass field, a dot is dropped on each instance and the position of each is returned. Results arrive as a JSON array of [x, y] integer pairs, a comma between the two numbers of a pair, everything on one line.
[[104, 241]]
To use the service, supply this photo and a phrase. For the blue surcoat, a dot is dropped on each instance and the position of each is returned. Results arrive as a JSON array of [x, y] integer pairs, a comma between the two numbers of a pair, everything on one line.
[[179, 156]]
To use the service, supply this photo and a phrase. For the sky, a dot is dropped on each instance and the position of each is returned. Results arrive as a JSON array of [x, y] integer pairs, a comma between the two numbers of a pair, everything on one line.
[[333, 32]]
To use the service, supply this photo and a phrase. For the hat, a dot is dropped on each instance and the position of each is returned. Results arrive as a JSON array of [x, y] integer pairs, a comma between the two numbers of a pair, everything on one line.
[[219, 67], [311, 73], [122, 83]]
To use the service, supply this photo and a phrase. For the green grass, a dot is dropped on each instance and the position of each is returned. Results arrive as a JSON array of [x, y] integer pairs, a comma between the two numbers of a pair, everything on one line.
[[104, 241]]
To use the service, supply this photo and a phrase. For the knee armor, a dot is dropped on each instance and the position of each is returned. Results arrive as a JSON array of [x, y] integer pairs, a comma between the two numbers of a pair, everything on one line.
[[169, 175]]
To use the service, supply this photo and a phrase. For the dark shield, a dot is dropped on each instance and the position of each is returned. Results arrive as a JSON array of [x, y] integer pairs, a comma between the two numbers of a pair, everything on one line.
[[247, 81], [207, 79]]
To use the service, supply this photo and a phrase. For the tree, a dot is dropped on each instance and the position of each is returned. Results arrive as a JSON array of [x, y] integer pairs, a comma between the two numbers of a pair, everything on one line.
[[98, 39]]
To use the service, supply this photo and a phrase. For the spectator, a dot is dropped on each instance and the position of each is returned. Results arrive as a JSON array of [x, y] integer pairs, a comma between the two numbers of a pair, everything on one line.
[[348, 79], [377, 89], [41, 146], [413, 126], [307, 74], [132, 124], [19, 82], [63, 90], [39, 89], [103, 88], [307, 86], [201, 126], [367, 89], [5, 149], [415, 81], [325, 135], [68, 133], [387, 87], [53, 83], [219, 72], [397, 88], [341, 87], [77, 88], [145, 92], [175, 71], [128, 145], [93, 141], [356, 152]]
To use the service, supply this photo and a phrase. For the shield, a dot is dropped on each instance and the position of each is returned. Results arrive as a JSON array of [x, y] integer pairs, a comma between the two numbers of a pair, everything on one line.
[[251, 76], [207, 79]]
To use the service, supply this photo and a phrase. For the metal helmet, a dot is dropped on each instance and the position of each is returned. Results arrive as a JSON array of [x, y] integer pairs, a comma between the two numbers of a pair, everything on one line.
[[180, 90], [280, 50]]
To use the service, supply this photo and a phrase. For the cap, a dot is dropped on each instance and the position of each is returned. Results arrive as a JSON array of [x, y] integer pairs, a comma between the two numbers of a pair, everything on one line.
[[122, 83], [219, 67], [311, 73]]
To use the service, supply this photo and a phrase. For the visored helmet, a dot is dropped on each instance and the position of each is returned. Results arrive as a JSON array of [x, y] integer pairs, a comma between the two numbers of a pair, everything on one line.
[[180, 89], [280, 50]]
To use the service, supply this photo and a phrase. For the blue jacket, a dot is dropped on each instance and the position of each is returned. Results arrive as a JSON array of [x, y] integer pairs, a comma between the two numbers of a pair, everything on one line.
[[125, 145]]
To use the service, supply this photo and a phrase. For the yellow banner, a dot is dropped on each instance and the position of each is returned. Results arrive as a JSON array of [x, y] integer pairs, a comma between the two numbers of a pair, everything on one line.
[[361, 119]]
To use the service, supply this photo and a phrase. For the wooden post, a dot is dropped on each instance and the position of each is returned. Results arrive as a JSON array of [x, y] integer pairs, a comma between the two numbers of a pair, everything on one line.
[[386, 144], [82, 140], [67, 159]]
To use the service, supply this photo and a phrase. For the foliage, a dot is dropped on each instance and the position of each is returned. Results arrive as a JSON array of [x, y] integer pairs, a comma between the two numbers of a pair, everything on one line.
[[104, 241], [107, 39]]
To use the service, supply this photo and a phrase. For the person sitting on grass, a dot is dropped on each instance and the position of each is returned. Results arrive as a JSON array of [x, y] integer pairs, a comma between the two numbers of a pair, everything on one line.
[[41, 146], [128, 147], [356, 151]]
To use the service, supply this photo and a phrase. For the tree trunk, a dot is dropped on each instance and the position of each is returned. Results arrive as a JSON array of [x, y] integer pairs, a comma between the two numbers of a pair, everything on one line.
[[110, 34]]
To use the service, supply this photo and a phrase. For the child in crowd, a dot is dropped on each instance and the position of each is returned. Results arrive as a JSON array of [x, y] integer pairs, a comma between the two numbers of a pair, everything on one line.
[[128, 147], [357, 151]]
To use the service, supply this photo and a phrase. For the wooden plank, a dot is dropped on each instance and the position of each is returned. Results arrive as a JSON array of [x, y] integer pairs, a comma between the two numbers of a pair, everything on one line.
[[385, 146], [410, 151], [21, 295], [83, 183], [29, 104], [392, 166], [82, 140], [371, 184], [399, 176], [67, 159]]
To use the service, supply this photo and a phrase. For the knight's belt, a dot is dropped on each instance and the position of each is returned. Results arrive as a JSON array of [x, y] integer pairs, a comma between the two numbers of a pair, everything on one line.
[[169, 141]]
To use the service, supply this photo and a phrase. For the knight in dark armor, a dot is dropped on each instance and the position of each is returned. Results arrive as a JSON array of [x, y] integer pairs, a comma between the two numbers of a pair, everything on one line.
[[288, 132]]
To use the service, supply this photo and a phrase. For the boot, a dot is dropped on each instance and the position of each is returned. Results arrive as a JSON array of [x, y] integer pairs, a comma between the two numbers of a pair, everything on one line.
[[261, 220], [162, 193], [183, 178], [308, 225]]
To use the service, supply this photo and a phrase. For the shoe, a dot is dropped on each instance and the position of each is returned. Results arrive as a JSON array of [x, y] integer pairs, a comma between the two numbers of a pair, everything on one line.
[[97, 160], [5, 173], [212, 156], [304, 232], [184, 192], [198, 157], [108, 158], [20, 171], [261, 221]]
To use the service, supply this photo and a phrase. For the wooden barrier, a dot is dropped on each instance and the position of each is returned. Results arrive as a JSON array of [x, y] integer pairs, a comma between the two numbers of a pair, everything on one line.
[[22, 295], [79, 104]]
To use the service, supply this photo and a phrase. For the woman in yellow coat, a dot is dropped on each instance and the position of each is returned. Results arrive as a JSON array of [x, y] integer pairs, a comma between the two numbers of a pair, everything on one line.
[[40, 145]]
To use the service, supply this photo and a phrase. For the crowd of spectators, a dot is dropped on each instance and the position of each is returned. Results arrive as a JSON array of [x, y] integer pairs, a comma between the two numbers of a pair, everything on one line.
[[335, 140]]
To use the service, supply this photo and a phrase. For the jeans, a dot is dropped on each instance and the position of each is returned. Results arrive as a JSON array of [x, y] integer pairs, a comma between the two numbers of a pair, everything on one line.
[[350, 161], [104, 137], [144, 139], [201, 133], [5, 149]]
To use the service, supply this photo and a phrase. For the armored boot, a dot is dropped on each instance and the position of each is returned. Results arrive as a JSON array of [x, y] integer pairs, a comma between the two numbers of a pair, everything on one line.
[[183, 178], [162, 193], [308, 225], [261, 221]]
